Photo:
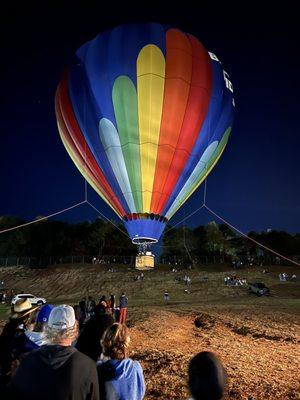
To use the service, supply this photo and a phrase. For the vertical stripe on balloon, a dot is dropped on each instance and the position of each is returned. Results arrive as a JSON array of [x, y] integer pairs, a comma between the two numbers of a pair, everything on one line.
[[125, 108], [176, 92], [112, 146], [150, 90], [195, 113], [74, 143], [206, 163]]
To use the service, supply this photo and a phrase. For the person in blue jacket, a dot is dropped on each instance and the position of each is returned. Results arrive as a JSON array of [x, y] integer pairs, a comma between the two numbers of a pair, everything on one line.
[[120, 378], [36, 338]]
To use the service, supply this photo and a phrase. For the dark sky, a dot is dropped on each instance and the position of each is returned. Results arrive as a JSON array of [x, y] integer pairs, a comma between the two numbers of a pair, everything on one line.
[[255, 185]]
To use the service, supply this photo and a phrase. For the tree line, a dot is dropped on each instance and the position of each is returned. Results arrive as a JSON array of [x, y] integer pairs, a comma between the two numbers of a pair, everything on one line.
[[57, 238], [99, 237], [214, 239]]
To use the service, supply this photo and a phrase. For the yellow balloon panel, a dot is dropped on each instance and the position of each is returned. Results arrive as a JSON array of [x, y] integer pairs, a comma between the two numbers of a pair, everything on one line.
[[150, 83]]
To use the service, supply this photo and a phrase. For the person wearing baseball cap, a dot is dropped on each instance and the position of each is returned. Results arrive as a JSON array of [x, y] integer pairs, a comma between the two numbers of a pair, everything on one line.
[[36, 337], [57, 370]]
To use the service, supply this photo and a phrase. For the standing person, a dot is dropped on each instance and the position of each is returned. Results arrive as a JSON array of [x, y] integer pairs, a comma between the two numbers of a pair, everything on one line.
[[166, 296], [91, 306], [112, 303], [57, 370], [4, 296], [10, 296], [89, 340], [123, 308], [83, 312], [12, 337], [102, 305], [207, 377], [35, 337], [119, 376]]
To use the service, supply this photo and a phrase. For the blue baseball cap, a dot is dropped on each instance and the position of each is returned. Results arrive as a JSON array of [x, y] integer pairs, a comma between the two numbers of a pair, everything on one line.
[[44, 313]]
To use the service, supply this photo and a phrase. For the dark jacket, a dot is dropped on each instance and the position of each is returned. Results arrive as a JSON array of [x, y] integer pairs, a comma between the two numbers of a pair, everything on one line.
[[11, 339], [89, 339], [55, 373], [123, 301], [121, 380]]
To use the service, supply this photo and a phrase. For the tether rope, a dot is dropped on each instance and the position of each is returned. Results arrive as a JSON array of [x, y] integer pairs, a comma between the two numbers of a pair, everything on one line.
[[248, 237], [43, 218]]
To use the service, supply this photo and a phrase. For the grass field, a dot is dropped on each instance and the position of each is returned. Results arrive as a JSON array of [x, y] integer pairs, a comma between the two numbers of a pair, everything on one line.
[[257, 338]]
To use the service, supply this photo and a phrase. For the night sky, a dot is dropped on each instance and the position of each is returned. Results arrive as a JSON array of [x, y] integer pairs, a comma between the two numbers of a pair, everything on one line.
[[255, 185]]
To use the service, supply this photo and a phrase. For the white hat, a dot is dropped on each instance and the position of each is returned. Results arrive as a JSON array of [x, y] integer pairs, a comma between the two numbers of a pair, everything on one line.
[[62, 317]]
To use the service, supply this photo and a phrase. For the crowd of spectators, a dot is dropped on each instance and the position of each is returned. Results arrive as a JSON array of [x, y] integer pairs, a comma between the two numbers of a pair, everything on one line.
[[81, 352], [234, 281]]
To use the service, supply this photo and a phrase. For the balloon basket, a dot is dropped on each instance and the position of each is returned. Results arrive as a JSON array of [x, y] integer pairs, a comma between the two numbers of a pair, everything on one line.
[[144, 262]]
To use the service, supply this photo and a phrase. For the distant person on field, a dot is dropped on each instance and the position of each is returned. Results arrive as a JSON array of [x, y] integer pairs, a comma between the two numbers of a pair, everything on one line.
[[119, 376], [90, 306], [166, 296], [83, 311], [112, 303], [4, 298], [57, 370], [123, 308], [207, 377], [102, 305]]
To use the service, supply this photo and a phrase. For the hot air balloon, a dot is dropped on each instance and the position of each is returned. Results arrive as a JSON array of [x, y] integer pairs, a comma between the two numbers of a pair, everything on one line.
[[145, 112]]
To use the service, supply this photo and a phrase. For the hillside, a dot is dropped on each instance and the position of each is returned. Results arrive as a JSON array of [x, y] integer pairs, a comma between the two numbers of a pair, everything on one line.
[[255, 337]]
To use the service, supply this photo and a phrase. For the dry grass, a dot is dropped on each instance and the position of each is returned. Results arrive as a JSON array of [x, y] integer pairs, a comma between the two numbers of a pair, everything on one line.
[[255, 337], [258, 367]]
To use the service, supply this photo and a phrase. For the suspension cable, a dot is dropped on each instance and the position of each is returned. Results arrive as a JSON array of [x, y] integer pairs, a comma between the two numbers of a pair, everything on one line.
[[107, 219], [184, 219]]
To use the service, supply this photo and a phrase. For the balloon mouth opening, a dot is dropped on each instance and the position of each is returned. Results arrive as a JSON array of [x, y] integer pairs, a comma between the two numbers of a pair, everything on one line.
[[153, 217], [143, 240]]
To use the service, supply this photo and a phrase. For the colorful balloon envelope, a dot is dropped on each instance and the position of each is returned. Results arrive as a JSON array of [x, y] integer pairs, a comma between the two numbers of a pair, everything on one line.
[[145, 112]]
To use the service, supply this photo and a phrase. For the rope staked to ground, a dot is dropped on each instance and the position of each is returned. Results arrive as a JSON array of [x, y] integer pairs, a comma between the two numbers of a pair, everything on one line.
[[250, 238], [61, 212]]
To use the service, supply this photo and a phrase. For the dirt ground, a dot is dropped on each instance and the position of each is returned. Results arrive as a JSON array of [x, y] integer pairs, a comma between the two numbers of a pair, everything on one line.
[[257, 338], [259, 364]]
